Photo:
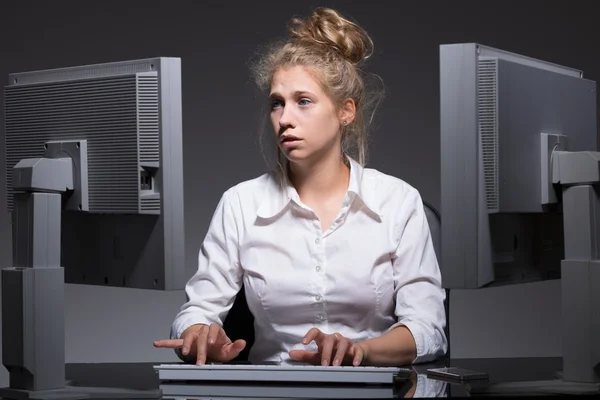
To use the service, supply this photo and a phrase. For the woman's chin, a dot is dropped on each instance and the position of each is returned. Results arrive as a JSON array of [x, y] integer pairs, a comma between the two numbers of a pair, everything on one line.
[[296, 155]]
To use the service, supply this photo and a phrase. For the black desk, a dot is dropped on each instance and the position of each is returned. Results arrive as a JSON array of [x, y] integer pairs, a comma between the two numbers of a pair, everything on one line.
[[141, 376]]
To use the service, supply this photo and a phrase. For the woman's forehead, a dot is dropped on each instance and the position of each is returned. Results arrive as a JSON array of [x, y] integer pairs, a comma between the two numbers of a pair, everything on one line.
[[295, 79]]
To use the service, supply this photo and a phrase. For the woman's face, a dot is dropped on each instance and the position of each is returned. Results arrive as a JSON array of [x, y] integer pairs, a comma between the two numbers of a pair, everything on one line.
[[305, 120]]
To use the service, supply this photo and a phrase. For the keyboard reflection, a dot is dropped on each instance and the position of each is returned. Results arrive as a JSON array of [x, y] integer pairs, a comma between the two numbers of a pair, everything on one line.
[[415, 386]]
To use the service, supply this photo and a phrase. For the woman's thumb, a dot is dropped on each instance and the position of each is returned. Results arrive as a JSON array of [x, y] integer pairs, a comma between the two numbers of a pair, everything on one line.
[[239, 345], [232, 350]]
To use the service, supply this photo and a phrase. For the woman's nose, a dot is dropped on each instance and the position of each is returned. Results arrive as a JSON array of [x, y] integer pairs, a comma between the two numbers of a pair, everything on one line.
[[286, 119]]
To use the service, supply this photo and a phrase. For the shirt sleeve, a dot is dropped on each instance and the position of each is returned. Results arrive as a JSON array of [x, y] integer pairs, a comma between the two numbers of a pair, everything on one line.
[[212, 289], [417, 281]]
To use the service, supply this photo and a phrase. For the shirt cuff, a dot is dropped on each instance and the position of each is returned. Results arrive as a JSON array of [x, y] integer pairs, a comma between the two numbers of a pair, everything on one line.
[[185, 322]]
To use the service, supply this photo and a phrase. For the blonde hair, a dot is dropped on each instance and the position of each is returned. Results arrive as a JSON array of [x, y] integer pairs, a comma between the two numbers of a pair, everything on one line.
[[333, 49]]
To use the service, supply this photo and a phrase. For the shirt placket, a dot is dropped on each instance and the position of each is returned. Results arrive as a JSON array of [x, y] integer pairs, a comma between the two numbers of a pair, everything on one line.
[[319, 277], [321, 265]]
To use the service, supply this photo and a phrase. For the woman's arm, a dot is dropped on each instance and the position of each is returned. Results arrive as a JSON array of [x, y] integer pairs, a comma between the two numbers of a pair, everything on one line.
[[211, 291], [395, 347], [418, 336]]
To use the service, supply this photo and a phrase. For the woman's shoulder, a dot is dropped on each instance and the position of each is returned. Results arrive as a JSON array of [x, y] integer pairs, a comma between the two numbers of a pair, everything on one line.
[[252, 185], [384, 186], [252, 191]]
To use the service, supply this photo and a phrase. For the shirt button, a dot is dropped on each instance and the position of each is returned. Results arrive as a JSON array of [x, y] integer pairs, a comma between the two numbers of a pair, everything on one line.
[[317, 240], [318, 268], [318, 297], [320, 317]]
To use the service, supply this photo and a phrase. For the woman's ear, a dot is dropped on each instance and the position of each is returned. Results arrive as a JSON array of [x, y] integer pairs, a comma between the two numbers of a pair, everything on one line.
[[347, 112]]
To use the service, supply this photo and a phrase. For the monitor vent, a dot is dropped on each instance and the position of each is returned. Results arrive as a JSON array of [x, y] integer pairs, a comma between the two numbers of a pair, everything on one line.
[[82, 72], [148, 205], [148, 118], [101, 110], [487, 102]]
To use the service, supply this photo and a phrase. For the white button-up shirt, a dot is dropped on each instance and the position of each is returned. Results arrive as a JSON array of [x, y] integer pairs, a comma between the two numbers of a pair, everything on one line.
[[373, 269]]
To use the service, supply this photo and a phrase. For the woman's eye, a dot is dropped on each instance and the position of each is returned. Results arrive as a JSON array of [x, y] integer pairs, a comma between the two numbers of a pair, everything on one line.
[[275, 104], [304, 102]]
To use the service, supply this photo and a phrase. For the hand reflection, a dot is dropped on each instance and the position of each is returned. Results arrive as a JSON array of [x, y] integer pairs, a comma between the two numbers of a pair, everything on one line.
[[422, 386], [413, 388]]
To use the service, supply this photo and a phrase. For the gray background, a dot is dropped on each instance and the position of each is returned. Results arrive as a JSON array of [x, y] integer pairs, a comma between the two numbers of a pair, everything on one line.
[[220, 114]]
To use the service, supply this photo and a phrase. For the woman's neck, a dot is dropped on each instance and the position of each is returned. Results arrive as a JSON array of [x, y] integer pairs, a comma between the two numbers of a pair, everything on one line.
[[320, 180]]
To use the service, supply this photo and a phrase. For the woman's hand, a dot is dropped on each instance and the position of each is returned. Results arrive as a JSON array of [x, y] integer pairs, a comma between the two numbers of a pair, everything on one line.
[[203, 343], [333, 349]]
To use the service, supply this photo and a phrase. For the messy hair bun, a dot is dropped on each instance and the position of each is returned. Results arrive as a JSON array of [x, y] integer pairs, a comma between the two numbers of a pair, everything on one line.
[[328, 28], [333, 49]]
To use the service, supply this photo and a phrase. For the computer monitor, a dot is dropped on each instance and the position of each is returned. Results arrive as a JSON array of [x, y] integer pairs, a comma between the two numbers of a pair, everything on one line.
[[95, 187], [122, 224], [499, 227], [519, 190]]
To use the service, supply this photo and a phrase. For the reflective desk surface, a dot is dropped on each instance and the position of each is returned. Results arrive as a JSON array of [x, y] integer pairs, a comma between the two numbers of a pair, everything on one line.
[[142, 377], [500, 371]]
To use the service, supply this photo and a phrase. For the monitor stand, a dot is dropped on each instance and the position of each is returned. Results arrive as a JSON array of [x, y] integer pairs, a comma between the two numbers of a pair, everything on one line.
[[578, 173], [33, 312]]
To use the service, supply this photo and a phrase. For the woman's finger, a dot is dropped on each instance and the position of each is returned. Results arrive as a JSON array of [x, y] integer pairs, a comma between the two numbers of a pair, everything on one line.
[[311, 335], [188, 342], [342, 347], [213, 333], [201, 345], [169, 343], [310, 357], [326, 349], [232, 350], [358, 354]]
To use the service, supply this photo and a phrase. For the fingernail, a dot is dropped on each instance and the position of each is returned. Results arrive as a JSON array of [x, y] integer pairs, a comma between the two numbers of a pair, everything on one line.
[[199, 363], [211, 341], [336, 362], [355, 362], [304, 341], [324, 363], [185, 350]]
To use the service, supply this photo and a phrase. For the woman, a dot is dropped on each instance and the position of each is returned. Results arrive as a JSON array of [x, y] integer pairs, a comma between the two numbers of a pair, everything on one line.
[[336, 259]]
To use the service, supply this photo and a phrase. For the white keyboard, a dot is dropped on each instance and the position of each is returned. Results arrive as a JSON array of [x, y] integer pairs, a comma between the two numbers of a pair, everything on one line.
[[280, 373]]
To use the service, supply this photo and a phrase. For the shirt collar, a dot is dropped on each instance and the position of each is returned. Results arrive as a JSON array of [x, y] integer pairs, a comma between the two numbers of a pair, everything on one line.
[[278, 194]]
